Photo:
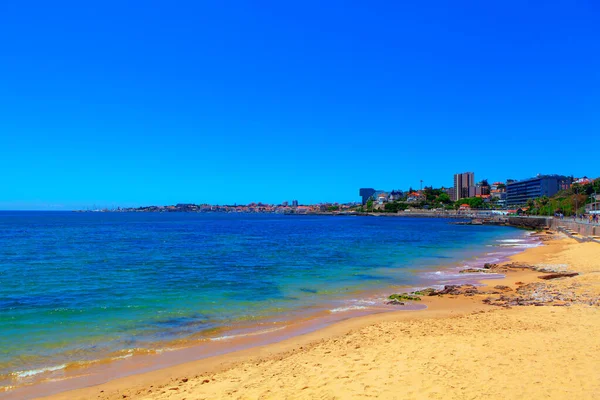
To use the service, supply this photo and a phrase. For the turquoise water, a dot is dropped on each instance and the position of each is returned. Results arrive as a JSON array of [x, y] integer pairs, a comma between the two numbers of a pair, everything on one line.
[[82, 286]]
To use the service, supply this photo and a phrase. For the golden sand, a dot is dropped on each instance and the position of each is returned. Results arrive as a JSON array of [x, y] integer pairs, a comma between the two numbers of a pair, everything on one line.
[[457, 349]]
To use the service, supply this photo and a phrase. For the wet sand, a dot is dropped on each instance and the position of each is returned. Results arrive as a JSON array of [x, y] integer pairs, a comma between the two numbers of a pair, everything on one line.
[[458, 348]]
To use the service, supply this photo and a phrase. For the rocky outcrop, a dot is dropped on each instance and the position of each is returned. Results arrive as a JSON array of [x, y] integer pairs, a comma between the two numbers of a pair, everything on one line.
[[529, 223], [426, 292], [404, 296], [559, 275], [474, 271], [543, 294]]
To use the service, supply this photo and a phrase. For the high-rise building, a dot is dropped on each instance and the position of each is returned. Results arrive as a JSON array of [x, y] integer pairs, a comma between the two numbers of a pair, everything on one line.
[[366, 194], [464, 185], [294, 203], [518, 192], [482, 189], [451, 193]]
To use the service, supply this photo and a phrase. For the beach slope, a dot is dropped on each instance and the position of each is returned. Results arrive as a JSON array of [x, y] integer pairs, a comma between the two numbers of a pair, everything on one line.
[[458, 349]]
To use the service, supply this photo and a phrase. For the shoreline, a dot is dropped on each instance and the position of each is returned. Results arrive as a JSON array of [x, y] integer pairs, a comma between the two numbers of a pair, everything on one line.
[[225, 375], [103, 371], [436, 308]]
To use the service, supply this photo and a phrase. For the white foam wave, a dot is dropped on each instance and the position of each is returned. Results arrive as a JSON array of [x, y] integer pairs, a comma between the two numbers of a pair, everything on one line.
[[348, 308], [123, 356], [227, 337], [367, 302], [32, 372], [519, 245], [510, 240]]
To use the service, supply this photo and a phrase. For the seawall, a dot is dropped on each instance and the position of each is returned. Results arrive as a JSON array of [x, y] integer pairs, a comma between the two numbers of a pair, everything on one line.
[[556, 224]]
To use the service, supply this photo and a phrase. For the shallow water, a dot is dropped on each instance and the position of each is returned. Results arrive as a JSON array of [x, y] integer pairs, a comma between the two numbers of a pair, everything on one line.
[[86, 286]]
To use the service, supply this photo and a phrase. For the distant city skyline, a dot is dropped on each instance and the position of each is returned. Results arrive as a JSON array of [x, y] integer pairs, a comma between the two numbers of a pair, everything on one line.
[[138, 104], [291, 201]]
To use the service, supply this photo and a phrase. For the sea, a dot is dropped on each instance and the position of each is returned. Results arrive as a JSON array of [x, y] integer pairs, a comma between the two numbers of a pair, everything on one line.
[[77, 288]]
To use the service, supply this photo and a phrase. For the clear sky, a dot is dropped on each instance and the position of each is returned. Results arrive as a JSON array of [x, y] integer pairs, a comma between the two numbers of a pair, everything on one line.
[[107, 103]]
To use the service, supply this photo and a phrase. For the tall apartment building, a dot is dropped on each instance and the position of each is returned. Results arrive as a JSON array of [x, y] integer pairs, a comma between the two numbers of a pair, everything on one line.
[[464, 185], [518, 192], [366, 194]]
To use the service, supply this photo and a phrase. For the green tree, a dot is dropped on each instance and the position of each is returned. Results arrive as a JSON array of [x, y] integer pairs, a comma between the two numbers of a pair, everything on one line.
[[473, 202], [444, 198], [531, 206]]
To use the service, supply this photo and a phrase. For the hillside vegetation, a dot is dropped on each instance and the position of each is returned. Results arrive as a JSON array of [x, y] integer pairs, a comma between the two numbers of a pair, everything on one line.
[[565, 201]]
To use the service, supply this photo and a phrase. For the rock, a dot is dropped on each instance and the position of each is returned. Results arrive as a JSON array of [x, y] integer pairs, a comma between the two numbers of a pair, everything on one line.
[[503, 288], [404, 296], [449, 289], [184, 380], [490, 266], [458, 289], [517, 265], [426, 292], [473, 270], [559, 275], [395, 303]]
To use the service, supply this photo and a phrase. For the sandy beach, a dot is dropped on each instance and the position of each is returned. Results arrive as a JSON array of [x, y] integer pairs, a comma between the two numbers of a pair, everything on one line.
[[459, 348]]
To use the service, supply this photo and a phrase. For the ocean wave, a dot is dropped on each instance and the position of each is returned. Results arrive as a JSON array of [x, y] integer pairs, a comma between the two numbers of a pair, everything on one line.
[[510, 240], [124, 356], [228, 337], [368, 302], [348, 308], [519, 245], [32, 372]]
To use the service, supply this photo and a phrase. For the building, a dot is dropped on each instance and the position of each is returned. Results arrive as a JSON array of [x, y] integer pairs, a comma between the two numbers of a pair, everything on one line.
[[482, 189], [295, 203], [464, 185], [464, 208], [415, 196], [382, 198], [594, 206], [366, 194], [518, 192], [451, 193], [396, 195]]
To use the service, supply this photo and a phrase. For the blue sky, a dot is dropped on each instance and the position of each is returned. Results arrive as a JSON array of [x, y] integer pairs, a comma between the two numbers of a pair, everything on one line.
[[231, 102]]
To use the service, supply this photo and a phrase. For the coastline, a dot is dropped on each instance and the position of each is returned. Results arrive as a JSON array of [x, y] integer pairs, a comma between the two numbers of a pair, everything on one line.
[[438, 308], [74, 374]]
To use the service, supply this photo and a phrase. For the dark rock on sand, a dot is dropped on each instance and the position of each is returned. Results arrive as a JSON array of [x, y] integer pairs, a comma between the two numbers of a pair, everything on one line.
[[474, 270], [426, 292], [404, 296], [395, 303], [559, 275]]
